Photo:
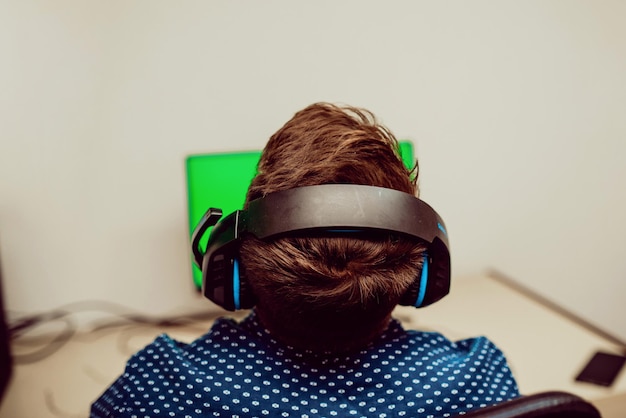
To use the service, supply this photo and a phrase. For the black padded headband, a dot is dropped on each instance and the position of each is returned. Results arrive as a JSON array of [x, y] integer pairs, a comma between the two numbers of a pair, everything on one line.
[[339, 207]]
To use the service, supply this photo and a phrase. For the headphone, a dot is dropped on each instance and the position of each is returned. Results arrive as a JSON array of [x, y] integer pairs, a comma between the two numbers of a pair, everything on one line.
[[345, 209]]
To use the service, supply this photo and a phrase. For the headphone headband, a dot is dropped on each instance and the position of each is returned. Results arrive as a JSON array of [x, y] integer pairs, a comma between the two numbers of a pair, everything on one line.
[[342, 207]]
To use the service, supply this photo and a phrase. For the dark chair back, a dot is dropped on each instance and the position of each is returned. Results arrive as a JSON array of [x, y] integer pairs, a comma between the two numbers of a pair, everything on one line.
[[5, 352], [540, 405]]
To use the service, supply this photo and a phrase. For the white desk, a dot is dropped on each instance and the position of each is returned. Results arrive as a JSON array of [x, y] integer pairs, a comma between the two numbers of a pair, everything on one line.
[[544, 349]]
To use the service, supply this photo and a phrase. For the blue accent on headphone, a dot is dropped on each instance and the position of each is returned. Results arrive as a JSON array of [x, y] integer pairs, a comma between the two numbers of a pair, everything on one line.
[[442, 229], [423, 282], [236, 284]]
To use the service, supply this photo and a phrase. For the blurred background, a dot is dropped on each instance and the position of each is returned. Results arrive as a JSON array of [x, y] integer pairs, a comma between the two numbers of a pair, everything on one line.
[[516, 110]]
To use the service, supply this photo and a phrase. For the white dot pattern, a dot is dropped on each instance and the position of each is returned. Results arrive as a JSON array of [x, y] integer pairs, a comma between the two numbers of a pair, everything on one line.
[[239, 370]]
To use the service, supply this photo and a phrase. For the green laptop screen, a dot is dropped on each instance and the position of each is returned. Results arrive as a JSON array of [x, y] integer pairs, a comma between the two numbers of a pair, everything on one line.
[[221, 181]]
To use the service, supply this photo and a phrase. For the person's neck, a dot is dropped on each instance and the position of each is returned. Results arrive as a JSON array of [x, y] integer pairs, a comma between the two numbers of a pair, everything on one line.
[[322, 336]]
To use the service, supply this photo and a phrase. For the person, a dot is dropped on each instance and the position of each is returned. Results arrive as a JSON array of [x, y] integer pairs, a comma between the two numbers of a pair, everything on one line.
[[321, 340]]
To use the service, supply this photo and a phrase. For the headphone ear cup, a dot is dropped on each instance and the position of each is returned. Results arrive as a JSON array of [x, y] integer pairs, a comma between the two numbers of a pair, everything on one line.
[[223, 278], [434, 281], [225, 284], [417, 290], [214, 273], [244, 296]]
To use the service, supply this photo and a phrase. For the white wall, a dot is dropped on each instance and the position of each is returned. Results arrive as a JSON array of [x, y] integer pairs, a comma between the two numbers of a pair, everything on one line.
[[516, 109]]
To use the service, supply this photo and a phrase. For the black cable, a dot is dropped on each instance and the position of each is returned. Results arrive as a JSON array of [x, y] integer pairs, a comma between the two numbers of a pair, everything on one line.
[[50, 347], [27, 322]]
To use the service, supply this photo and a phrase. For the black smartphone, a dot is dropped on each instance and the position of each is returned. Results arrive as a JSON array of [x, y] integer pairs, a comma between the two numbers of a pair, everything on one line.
[[602, 369]]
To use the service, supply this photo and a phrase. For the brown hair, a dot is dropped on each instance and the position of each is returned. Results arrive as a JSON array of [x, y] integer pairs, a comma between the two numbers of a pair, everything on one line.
[[322, 292]]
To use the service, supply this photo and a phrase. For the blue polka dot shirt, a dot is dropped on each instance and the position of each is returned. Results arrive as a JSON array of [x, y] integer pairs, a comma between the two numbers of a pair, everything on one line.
[[239, 370]]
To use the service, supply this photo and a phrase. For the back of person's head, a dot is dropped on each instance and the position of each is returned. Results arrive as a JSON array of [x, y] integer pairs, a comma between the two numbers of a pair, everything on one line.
[[330, 293]]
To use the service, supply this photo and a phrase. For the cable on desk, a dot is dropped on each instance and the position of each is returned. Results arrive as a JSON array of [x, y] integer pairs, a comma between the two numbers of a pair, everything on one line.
[[50, 347], [20, 327], [54, 409]]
